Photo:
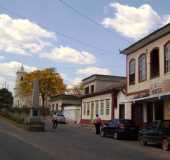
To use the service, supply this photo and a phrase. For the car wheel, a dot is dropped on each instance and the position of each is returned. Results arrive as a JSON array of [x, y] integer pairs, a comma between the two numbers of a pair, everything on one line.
[[165, 145], [102, 134], [142, 141], [116, 135]]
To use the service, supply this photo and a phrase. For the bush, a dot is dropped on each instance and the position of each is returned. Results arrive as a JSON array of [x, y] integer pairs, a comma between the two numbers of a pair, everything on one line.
[[15, 114]]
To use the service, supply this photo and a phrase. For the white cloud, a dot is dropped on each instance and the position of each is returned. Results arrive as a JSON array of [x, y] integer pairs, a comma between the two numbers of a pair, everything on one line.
[[21, 36], [2, 57], [134, 22], [8, 72], [93, 70], [87, 71], [67, 54]]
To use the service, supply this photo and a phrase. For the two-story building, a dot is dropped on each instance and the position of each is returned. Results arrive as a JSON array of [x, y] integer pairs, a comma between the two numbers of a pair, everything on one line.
[[148, 77], [100, 97]]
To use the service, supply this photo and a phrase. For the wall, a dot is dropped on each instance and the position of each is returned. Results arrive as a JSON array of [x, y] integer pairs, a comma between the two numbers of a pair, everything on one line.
[[123, 99], [72, 113], [149, 82], [99, 98], [167, 109]]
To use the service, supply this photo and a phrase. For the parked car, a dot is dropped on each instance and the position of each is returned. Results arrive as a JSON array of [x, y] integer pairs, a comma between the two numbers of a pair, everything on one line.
[[120, 128], [60, 117], [156, 133]]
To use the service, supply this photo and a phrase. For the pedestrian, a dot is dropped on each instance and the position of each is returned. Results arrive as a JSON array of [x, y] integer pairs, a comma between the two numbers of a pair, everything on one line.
[[54, 122], [98, 123]]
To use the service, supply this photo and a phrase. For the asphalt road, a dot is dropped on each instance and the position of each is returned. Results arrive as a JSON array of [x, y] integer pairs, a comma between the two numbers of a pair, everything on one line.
[[70, 143]]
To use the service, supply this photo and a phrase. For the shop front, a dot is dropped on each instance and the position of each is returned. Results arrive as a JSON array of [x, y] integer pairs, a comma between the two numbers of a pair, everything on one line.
[[148, 109]]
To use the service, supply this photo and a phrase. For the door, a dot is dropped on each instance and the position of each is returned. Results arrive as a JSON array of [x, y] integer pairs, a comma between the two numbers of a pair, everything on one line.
[[137, 114], [159, 110], [149, 112]]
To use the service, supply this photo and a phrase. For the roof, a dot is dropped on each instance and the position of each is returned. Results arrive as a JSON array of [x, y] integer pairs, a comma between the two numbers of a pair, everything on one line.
[[103, 77], [147, 40], [64, 97]]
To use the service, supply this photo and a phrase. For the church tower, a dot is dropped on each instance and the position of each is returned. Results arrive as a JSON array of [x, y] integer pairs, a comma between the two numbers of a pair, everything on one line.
[[18, 99]]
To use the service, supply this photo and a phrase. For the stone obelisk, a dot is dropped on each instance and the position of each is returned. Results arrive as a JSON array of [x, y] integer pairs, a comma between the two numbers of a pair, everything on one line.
[[35, 123]]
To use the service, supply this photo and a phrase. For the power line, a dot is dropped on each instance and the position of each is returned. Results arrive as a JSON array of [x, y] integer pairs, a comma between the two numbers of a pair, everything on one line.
[[64, 35], [83, 15]]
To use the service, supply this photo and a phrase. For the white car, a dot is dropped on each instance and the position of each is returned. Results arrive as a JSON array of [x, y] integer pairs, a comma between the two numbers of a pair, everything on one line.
[[60, 118]]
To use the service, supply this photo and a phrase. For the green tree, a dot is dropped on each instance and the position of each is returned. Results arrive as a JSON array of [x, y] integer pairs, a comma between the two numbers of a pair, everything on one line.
[[6, 98], [50, 83]]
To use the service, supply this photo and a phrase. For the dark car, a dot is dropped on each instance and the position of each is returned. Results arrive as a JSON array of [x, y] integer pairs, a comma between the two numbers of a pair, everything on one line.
[[156, 133], [119, 129]]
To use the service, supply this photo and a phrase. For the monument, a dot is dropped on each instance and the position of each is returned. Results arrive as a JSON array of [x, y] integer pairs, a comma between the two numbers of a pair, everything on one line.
[[34, 122]]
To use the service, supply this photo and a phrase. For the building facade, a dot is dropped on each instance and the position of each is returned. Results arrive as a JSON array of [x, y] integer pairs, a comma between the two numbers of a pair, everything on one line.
[[69, 105], [148, 77], [100, 97], [19, 100]]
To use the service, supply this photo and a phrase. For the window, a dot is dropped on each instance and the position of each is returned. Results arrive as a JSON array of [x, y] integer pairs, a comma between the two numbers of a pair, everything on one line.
[[107, 106], [132, 72], [84, 108], [87, 90], [92, 88], [154, 63], [121, 111], [53, 107], [167, 57], [142, 67], [97, 107], [88, 108], [102, 107]]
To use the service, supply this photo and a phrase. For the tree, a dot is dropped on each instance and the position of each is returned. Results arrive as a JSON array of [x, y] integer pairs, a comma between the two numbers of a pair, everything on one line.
[[6, 98], [75, 90], [50, 83]]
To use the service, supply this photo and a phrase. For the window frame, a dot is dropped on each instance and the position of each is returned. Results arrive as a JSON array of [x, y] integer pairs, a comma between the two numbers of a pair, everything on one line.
[[132, 82], [165, 68], [151, 76], [102, 107], [145, 65], [108, 106], [97, 106]]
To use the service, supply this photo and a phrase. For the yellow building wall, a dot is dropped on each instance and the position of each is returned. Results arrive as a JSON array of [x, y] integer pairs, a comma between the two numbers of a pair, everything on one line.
[[149, 82], [167, 109]]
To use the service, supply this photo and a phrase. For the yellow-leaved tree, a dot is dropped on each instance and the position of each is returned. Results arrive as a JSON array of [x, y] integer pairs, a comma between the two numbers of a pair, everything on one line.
[[50, 83]]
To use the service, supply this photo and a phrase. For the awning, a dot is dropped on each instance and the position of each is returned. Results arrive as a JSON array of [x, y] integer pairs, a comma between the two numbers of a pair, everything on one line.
[[151, 97]]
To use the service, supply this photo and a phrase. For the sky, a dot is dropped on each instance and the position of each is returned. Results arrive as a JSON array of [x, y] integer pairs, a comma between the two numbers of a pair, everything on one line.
[[51, 33]]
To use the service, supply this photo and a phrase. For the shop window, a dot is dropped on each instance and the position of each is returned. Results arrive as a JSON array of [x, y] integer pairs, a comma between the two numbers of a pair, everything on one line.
[[97, 107], [84, 108], [107, 106], [121, 111], [88, 108], [154, 63], [132, 72], [167, 57], [142, 67], [102, 107]]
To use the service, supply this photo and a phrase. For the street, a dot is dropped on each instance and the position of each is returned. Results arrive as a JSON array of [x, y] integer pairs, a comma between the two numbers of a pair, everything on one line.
[[69, 143]]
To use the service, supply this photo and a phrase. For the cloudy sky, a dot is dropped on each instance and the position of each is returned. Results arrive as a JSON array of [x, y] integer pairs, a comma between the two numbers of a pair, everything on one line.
[[53, 33]]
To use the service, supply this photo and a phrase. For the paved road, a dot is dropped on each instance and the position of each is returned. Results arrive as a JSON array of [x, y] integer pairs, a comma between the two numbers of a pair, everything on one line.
[[70, 143]]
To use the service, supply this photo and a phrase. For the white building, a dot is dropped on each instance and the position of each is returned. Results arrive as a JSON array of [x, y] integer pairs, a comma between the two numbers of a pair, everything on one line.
[[19, 100], [100, 97], [69, 105]]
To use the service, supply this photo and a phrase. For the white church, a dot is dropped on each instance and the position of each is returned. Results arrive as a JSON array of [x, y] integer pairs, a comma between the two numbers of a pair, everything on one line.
[[19, 100]]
